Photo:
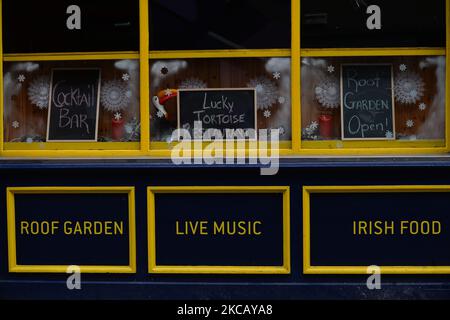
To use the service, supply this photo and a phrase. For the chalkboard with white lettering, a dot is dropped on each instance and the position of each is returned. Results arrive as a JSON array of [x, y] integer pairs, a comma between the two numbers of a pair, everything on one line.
[[74, 105], [232, 110], [367, 110]]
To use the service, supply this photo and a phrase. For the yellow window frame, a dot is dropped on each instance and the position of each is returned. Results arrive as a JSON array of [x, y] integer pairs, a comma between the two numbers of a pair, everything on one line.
[[295, 147]]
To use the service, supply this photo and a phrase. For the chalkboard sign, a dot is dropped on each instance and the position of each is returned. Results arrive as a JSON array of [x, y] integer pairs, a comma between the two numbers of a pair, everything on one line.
[[221, 109], [367, 102], [74, 105]]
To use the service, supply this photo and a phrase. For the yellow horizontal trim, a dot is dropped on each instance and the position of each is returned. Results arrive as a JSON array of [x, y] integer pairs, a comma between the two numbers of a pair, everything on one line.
[[377, 188], [376, 52], [218, 189], [11, 226], [309, 269], [63, 269], [66, 146], [340, 144], [151, 218], [235, 53], [383, 270], [71, 56], [219, 270]]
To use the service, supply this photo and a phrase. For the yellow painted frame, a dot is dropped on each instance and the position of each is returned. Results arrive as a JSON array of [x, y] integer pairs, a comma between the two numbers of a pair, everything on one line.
[[295, 147], [154, 268], [309, 269], [12, 257]]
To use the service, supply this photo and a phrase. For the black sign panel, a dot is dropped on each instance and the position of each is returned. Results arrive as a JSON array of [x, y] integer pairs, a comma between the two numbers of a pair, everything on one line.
[[70, 26], [367, 102], [219, 109], [83, 229], [74, 105], [390, 228], [358, 24], [219, 229]]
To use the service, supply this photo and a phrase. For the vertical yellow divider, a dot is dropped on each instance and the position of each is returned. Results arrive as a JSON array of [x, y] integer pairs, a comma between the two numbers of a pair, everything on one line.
[[447, 78], [144, 76], [1, 79], [296, 77]]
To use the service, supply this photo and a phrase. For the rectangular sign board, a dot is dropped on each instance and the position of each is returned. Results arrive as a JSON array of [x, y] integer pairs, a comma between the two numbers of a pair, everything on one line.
[[51, 228], [74, 105], [220, 109], [401, 229], [239, 230]]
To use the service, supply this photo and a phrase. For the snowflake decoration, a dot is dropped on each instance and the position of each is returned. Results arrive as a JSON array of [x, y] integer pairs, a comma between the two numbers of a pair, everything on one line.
[[267, 114], [389, 134], [160, 114], [38, 92], [281, 100], [403, 67], [126, 77], [422, 106], [410, 123], [409, 88], [310, 132], [15, 124], [266, 92], [21, 78], [331, 69], [192, 83], [282, 131], [115, 96], [276, 75], [117, 116], [328, 92], [167, 92]]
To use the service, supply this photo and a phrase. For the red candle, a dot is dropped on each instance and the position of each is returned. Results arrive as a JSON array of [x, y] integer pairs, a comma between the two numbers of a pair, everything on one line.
[[326, 126], [117, 129]]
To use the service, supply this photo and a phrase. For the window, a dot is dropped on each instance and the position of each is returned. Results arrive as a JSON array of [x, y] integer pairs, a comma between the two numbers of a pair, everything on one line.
[[102, 79]]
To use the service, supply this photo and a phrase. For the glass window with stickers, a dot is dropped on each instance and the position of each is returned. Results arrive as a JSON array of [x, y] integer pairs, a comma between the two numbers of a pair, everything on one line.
[[71, 76], [373, 75]]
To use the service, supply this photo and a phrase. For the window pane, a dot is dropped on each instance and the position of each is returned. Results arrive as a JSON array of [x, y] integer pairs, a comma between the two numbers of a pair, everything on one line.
[[219, 24], [270, 77], [343, 24], [417, 89], [27, 98], [42, 26]]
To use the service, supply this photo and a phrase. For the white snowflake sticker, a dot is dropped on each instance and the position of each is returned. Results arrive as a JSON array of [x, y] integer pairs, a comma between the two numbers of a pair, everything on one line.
[[281, 100], [403, 67], [389, 134], [314, 125], [117, 116], [267, 114], [125, 77], [276, 75], [160, 114], [15, 124], [422, 106], [331, 69], [410, 123], [21, 78], [282, 131]]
